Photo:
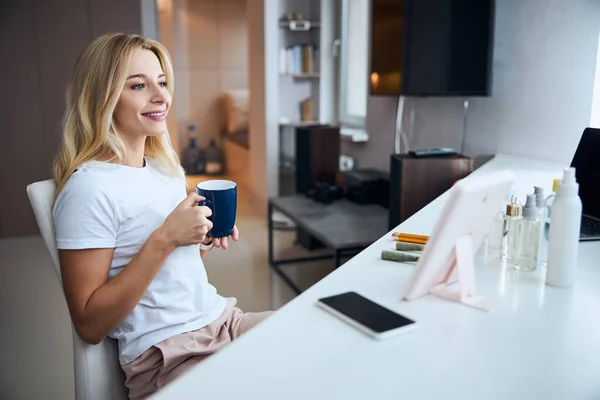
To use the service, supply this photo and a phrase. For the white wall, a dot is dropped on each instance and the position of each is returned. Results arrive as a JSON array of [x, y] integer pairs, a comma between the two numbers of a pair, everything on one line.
[[543, 78], [545, 58], [208, 43]]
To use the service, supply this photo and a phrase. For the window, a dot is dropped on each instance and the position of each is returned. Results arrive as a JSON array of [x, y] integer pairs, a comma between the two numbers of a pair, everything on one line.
[[354, 62], [595, 117]]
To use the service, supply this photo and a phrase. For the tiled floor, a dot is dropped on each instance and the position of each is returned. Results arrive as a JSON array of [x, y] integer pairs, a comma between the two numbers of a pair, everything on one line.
[[35, 339]]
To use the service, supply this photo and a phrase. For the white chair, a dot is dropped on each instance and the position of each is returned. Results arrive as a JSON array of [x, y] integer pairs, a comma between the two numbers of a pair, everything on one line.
[[98, 375]]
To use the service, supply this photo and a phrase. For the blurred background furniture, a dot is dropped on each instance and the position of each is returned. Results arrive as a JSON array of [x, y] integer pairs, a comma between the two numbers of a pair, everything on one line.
[[416, 182], [344, 227]]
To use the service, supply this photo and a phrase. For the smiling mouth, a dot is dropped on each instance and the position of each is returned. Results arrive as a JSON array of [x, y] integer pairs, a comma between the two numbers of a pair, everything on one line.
[[155, 114]]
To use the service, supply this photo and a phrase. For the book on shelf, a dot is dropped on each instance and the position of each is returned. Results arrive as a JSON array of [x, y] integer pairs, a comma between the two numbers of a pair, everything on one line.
[[299, 59]]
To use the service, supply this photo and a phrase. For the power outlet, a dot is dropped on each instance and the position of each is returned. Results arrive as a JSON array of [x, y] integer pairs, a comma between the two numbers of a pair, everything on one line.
[[346, 163]]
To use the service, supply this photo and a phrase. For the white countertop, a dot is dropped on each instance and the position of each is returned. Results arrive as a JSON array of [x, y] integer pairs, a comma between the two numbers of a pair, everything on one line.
[[542, 343]]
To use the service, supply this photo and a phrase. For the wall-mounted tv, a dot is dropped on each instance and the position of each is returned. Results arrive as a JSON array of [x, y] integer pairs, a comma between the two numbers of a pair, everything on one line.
[[431, 47]]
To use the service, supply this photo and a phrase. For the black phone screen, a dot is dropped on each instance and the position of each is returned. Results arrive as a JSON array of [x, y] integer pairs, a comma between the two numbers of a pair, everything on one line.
[[364, 311]]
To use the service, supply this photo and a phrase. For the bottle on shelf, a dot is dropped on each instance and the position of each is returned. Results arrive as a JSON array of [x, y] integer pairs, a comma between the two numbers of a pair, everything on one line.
[[214, 159], [201, 162], [190, 154], [511, 219], [563, 243], [546, 224], [527, 237]]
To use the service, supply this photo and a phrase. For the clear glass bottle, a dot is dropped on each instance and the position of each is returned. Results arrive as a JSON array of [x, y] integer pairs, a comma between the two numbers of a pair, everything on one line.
[[495, 233], [496, 229], [546, 224], [511, 218], [526, 237]]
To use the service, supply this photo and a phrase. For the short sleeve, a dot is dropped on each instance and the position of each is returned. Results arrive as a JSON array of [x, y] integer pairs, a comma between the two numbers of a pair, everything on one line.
[[84, 215]]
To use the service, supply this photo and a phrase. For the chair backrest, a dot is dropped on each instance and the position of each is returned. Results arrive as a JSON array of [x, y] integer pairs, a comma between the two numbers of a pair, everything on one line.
[[98, 375]]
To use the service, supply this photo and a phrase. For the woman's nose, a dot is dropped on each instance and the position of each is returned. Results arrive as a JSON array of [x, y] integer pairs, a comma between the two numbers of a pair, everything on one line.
[[158, 95]]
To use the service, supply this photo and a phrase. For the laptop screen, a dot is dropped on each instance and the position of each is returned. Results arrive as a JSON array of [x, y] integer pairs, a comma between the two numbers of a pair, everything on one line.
[[587, 170]]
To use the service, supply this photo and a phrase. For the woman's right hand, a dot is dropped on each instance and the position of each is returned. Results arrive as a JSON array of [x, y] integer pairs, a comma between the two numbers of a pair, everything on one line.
[[188, 223]]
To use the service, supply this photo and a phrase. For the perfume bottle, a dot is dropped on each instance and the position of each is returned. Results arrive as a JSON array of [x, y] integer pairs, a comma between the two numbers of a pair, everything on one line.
[[511, 218], [495, 233], [546, 224], [496, 228], [540, 203], [526, 239], [539, 199]]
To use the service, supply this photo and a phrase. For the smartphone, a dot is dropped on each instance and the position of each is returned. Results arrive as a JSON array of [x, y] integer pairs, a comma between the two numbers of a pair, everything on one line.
[[366, 315]]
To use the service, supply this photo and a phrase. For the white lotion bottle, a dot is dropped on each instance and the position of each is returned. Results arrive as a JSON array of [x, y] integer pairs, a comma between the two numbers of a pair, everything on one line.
[[563, 241]]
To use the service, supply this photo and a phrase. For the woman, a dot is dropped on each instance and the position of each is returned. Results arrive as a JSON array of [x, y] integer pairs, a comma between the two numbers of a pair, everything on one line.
[[129, 240]]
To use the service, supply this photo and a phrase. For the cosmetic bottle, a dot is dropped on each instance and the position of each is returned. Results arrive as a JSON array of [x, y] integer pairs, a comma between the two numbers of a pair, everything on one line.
[[190, 154], [527, 237], [539, 201], [511, 218], [496, 228], [563, 243], [495, 233], [214, 159], [543, 257]]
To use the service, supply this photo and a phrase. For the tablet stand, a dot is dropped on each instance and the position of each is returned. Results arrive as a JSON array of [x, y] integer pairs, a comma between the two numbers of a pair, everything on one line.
[[462, 264]]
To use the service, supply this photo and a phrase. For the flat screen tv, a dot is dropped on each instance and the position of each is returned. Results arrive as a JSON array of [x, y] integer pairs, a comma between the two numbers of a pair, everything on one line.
[[431, 47]]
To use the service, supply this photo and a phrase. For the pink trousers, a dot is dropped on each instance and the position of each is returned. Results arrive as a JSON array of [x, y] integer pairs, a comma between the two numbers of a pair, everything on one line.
[[165, 361]]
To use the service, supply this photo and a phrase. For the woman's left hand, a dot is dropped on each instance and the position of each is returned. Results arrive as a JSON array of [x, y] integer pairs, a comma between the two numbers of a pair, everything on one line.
[[222, 242]]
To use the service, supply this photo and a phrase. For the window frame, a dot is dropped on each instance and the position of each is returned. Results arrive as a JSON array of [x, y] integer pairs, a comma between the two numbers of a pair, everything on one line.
[[344, 117]]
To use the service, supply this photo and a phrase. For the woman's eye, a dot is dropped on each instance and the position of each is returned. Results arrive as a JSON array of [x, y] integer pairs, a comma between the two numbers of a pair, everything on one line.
[[138, 86], [163, 84]]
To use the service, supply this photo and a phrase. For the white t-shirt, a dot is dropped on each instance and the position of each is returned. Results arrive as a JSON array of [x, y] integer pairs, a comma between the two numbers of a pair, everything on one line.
[[106, 205]]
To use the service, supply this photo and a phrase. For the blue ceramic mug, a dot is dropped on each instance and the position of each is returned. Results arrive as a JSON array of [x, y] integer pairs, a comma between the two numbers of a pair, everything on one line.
[[221, 198]]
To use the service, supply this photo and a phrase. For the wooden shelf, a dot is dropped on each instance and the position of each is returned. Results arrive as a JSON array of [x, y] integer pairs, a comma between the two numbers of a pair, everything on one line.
[[302, 76]]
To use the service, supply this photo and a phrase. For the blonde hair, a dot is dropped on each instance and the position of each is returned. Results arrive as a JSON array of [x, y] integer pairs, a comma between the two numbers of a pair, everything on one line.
[[88, 129]]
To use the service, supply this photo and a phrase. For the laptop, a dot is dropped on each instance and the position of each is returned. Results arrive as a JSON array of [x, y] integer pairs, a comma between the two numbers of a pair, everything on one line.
[[586, 162]]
